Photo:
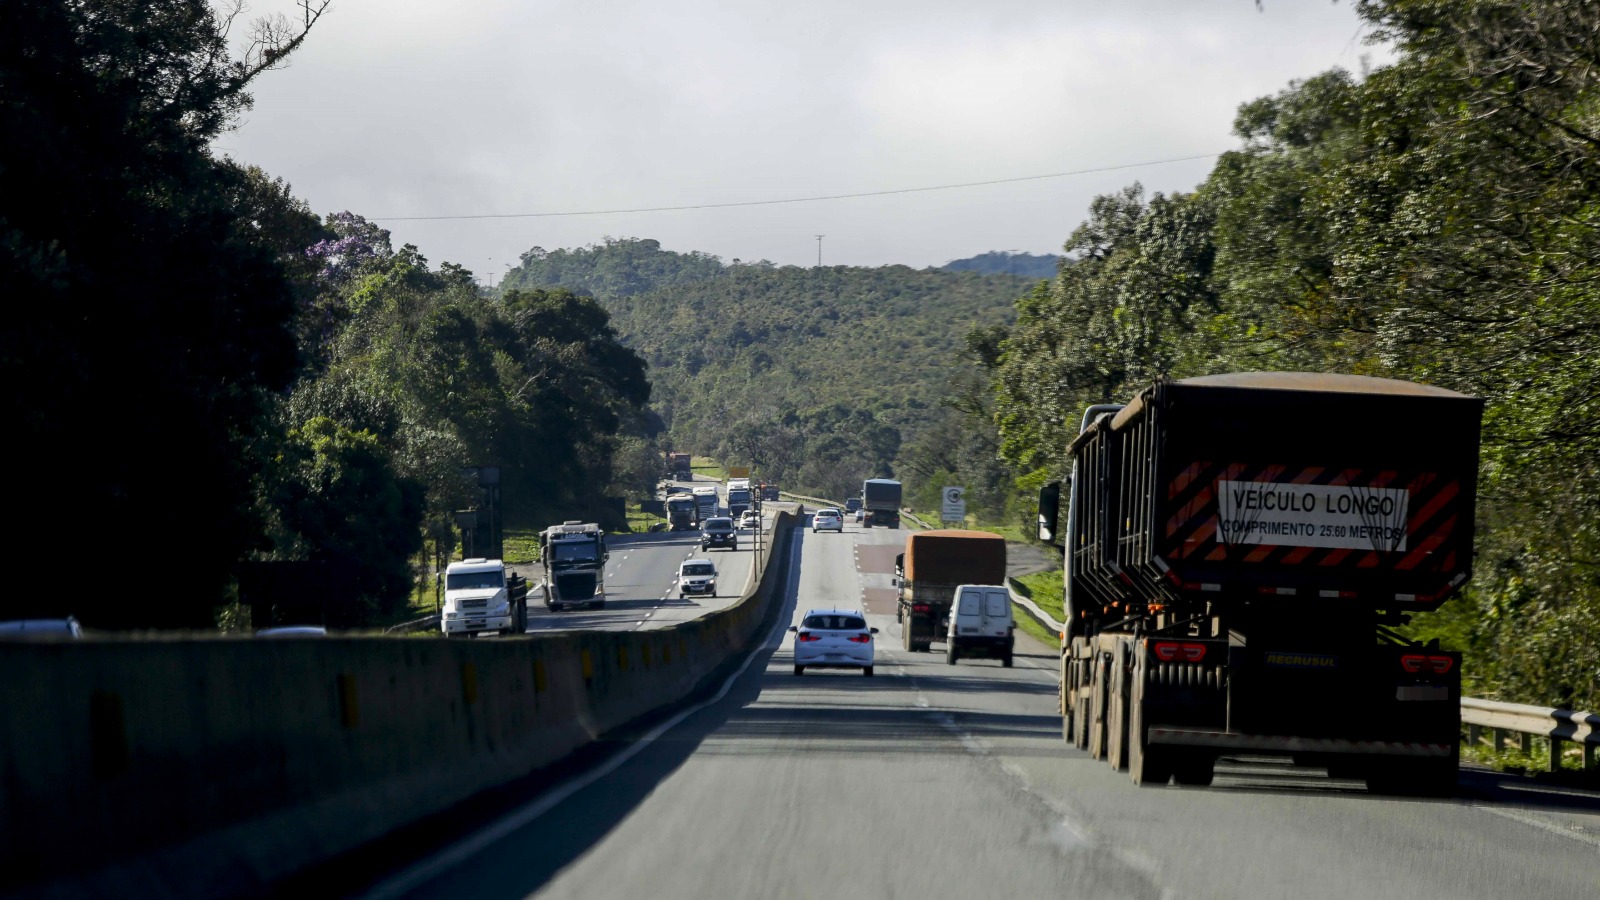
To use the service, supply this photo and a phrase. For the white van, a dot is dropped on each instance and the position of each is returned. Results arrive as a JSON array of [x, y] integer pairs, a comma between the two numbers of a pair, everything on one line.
[[980, 624]]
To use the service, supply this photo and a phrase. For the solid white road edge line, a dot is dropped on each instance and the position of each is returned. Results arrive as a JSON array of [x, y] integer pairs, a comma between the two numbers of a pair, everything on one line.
[[459, 852]]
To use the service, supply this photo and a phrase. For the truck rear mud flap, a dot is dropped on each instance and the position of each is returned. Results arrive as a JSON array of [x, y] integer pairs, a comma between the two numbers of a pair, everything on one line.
[[1270, 743]]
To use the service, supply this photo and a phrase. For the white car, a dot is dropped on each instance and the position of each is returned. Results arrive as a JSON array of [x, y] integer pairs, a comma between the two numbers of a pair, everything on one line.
[[828, 519], [833, 639], [697, 576], [749, 519]]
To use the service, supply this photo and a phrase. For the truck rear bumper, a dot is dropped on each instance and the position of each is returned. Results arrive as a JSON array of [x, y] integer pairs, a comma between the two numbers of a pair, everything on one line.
[[1272, 743]]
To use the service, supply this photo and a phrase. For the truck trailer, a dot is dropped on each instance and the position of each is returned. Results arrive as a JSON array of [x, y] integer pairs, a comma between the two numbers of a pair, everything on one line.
[[574, 557], [1239, 552], [933, 565], [678, 467], [880, 497]]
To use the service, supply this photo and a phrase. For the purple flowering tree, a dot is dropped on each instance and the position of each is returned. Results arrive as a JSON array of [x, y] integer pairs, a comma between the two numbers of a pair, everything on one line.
[[356, 242]]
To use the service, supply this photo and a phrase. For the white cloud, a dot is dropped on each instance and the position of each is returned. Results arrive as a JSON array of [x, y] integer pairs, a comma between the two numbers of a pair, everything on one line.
[[399, 107]]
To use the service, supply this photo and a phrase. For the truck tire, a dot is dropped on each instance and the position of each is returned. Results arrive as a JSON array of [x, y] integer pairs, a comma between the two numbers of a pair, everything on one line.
[[1413, 777], [799, 670], [1117, 710], [1194, 768], [1099, 676], [1146, 764], [867, 671], [1005, 661]]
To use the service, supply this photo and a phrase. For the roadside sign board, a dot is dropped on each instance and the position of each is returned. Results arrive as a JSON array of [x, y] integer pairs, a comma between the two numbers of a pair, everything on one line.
[[954, 508], [738, 471]]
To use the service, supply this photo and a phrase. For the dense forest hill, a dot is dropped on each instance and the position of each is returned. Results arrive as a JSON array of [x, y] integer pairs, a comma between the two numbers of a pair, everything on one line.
[[818, 375], [997, 262]]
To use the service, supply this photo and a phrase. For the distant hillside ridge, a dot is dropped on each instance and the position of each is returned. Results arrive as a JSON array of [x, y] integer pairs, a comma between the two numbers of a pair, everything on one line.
[[817, 375], [998, 262]]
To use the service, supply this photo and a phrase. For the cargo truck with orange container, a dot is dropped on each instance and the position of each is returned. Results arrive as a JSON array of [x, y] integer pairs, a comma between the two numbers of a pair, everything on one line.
[[1240, 550], [933, 565]]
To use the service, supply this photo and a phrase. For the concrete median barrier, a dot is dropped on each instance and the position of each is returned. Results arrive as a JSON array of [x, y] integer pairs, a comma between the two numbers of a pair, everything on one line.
[[209, 765]]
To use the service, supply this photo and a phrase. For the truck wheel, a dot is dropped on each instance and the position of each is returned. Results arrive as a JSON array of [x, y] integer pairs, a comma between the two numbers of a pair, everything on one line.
[[867, 671], [951, 655], [1005, 661], [1146, 764], [1194, 768], [1413, 778], [799, 670], [1117, 711], [1097, 705]]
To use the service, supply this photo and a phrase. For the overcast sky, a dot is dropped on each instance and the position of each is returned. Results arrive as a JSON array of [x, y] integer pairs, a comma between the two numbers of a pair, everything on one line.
[[409, 108]]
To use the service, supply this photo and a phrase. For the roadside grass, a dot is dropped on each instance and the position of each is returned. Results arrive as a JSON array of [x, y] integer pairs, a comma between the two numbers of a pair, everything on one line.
[[1031, 627], [1047, 590], [705, 465], [521, 546], [1009, 532], [1535, 762], [641, 521]]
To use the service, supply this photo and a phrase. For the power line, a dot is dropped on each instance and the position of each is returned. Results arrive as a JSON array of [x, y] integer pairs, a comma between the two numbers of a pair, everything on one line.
[[816, 199]]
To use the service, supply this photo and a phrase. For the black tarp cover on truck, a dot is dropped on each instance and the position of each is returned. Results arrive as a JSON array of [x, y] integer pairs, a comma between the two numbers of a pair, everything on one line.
[[1307, 488]]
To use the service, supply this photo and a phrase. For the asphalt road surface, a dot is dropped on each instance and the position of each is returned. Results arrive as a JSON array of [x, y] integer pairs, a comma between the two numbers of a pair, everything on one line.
[[642, 581], [935, 781]]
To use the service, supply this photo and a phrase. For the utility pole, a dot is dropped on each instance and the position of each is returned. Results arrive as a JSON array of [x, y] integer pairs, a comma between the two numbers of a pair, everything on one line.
[[819, 249]]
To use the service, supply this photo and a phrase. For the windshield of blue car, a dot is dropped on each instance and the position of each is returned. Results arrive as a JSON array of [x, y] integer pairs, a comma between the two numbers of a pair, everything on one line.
[[467, 581]]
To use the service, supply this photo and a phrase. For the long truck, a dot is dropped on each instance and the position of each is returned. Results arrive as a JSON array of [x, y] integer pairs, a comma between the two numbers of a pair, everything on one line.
[[1239, 552], [933, 565], [683, 513], [574, 556], [880, 497], [706, 499], [678, 467]]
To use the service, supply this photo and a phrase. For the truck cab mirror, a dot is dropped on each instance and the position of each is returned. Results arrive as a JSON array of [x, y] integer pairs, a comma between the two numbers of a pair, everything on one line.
[[1049, 512]]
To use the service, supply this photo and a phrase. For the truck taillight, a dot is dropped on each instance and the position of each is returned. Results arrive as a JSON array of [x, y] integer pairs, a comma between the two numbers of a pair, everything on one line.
[[919, 607], [1417, 663], [1175, 651]]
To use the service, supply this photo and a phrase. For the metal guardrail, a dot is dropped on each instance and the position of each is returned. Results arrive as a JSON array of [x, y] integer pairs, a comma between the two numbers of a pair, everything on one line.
[[421, 624], [1557, 726], [1027, 605]]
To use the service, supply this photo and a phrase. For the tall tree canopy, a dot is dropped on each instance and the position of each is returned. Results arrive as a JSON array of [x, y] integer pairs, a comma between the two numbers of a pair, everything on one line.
[[1436, 221]]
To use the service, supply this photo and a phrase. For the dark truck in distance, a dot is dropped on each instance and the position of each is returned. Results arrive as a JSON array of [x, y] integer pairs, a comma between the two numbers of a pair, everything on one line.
[[1239, 551], [678, 467], [934, 564], [880, 497]]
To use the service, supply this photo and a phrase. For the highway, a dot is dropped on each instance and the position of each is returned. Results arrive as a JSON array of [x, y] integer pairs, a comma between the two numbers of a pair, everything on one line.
[[936, 781], [642, 581]]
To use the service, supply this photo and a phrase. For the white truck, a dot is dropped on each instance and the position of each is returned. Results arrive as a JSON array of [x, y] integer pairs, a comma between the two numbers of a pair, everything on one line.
[[480, 596]]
